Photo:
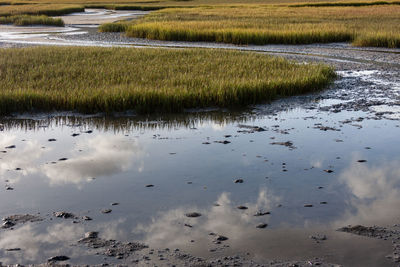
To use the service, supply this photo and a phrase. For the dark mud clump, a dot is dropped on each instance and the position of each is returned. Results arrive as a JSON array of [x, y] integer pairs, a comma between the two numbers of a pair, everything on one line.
[[250, 129], [63, 214], [193, 214], [370, 231], [379, 233], [13, 220], [288, 144], [58, 258]]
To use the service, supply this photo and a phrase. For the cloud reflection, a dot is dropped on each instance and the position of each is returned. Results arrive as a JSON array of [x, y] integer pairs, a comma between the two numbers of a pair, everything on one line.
[[104, 156], [38, 242], [375, 193], [24, 157], [169, 229]]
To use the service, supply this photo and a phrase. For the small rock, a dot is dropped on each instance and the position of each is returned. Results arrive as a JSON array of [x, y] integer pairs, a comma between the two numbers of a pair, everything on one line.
[[63, 214], [10, 147], [87, 218], [149, 185], [7, 224], [221, 238], [328, 171], [193, 214], [238, 181], [260, 213], [91, 234], [13, 249], [361, 160], [262, 225], [62, 159], [318, 237], [115, 204], [74, 134], [308, 205], [323, 202], [106, 211], [58, 258], [242, 207], [52, 140]]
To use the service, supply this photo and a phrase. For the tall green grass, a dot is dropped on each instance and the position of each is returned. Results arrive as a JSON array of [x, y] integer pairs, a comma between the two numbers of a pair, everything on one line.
[[40, 9], [24, 20], [354, 4], [260, 24], [147, 80], [113, 27]]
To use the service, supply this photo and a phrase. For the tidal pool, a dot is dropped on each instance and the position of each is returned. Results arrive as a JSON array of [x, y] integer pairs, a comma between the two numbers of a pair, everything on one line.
[[309, 165], [306, 166]]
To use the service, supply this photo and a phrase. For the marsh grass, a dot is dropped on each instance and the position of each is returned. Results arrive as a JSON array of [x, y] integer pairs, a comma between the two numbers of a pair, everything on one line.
[[40, 9], [114, 27], [261, 24], [24, 20], [147, 80], [354, 4]]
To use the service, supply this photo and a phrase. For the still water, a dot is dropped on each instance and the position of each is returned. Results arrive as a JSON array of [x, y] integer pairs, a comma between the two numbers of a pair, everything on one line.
[[315, 163]]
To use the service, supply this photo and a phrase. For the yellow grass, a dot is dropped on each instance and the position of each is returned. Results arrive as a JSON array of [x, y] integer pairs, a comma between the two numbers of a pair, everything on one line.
[[263, 24], [147, 80]]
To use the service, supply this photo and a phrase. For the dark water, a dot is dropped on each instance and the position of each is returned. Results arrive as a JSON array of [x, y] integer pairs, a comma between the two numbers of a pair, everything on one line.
[[113, 159]]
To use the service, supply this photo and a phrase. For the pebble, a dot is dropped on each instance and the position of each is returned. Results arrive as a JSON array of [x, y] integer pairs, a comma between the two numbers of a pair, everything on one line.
[[221, 238], [63, 214], [106, 211], [238, 181], [91, 234], [242, 207], [262, 225], [193, 214], [58, 258]]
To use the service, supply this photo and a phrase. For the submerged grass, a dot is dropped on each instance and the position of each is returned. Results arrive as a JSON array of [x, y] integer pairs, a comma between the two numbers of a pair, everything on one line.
[[23, 20], [147, 80], [377, 25]]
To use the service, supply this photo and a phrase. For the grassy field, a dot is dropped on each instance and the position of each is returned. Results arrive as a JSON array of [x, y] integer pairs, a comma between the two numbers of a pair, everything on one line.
[[147, 80], [364, 23], [377, 25], [23, 20], [39, 9]]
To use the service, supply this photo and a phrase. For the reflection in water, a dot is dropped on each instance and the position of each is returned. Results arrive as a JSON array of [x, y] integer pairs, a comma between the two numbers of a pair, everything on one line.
[[375, 192], [35, 243], [101, 156], [224, 218], [23, 159], [105, 156]]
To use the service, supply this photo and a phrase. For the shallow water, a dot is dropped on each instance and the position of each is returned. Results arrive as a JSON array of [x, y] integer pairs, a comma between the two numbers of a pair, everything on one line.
[[114, 158]]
